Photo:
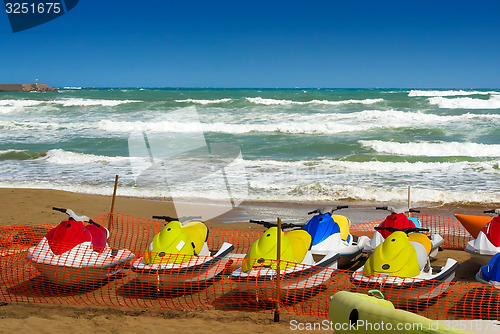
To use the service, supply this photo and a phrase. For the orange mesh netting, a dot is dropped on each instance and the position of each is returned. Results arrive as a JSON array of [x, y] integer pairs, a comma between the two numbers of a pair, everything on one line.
[[119, 280]]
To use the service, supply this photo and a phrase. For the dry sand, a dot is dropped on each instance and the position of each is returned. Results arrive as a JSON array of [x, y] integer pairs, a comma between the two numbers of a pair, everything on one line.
[[33, 206]]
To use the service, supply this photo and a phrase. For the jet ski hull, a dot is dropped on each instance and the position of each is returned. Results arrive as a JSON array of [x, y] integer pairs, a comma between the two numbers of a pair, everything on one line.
[[422, 286], [78, 266], [172, 276], [261, 282]]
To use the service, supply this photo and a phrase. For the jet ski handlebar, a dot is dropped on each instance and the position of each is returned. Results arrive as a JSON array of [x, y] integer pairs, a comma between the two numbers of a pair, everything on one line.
[[269, 224], [169, 219], [394, 210], [405, 230], [497, 211], [324, 210], [75, 216]]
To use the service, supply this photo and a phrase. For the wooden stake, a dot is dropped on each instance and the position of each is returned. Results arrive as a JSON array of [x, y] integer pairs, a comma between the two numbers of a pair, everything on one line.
[[278, 274], [110, 223], [409, 201]]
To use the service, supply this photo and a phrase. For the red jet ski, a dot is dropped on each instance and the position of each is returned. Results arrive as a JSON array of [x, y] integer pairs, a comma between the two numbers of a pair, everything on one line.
[[76, 252]]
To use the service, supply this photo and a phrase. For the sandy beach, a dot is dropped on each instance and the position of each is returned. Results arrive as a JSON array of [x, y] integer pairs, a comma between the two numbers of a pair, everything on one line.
[[33, 206]]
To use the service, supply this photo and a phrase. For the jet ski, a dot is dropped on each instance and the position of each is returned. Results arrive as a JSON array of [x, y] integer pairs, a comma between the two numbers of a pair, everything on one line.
[[487, 242], [297, 268], [352, 312], [76, 252], [402, 263], [490, 273], [398, 219], [178, 256], [330, 232]]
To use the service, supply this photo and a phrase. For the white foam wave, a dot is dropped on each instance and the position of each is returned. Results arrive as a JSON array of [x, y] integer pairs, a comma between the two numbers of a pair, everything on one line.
[[62, 157], [447, 92], [72, 88], [204, 101], [11, 151], [260, 100], [466, 102], [307, 193], [69, 102], [440, 149], [8, 106], [298, 123]]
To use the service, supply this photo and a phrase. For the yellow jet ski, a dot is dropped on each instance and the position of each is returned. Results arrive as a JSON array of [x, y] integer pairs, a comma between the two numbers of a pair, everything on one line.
[[298, 270], [401, 263], [178, 256], [351, 312]]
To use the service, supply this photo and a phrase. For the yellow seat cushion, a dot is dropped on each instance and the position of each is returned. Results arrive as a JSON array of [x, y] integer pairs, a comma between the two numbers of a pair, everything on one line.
[[344, 224], [301, 242], [198, 233], [421, 239]]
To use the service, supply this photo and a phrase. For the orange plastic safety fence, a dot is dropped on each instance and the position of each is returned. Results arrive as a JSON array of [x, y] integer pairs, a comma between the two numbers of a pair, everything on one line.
[[115, 277]]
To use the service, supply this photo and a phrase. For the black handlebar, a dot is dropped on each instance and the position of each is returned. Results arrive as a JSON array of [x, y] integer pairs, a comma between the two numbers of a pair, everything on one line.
[[490, 211], [169, 219], [72, 218], [269, 224], [405, 230], [323, 210], [387, 208]]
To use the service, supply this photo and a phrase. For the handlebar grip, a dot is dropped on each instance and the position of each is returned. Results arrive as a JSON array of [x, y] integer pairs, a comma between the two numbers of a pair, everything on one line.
[[166, 218], [489, 211], [94, 223], [414, 210], [59, 209], [314, 211], [342, 207], [381, 208]]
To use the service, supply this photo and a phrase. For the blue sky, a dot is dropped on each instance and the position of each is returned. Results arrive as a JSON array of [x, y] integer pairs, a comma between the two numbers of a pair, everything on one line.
[[159, 43]]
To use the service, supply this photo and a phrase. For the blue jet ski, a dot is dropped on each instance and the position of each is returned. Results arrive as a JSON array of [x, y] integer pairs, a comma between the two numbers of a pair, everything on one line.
[[490, 273], [330, 232]]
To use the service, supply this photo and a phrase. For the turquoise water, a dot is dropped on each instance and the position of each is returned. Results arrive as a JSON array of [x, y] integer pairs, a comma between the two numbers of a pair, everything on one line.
[[295, 144]]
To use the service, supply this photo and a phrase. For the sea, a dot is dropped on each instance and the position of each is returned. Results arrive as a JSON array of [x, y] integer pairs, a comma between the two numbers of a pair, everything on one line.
[[285, 145]]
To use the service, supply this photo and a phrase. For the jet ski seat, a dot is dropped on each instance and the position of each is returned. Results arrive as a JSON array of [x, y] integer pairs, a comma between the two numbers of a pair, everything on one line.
[[344, 224], [301, 242]]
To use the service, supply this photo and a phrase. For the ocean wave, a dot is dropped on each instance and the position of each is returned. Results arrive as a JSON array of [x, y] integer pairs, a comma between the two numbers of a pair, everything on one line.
[[448, 92], [429, 149], [260, 100], [13, 154], [466, 102], [70, 102], [12, 125], [312, 192], [298, 123], [9, 106], [204, 101], [72, 88], [62, 157], [325, 166], [422, 196]]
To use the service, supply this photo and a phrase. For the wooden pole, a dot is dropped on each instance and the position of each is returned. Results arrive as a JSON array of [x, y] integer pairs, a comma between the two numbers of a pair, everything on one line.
[[409, 201], [110, 223], [278, 274]]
